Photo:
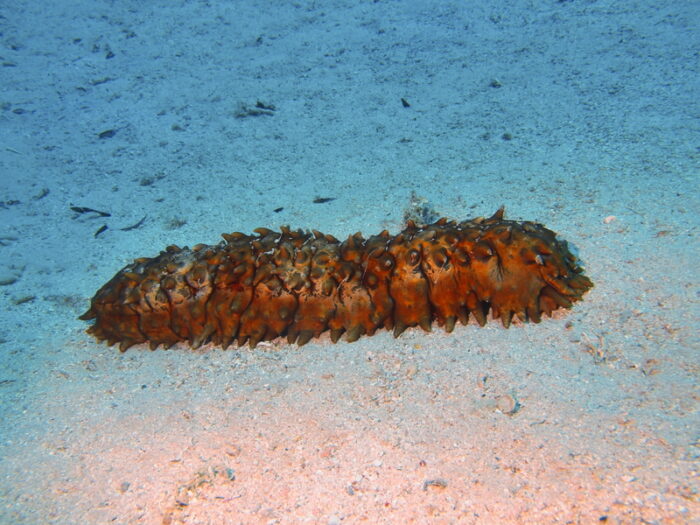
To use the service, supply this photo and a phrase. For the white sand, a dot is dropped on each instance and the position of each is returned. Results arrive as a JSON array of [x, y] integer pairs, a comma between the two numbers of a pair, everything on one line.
[[600, 98]]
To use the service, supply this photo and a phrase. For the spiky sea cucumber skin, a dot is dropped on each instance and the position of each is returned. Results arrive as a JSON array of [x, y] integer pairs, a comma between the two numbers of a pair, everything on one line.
[[252, 288]]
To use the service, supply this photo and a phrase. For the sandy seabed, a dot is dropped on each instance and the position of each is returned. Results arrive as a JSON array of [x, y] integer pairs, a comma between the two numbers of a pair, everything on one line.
[[580, 115]]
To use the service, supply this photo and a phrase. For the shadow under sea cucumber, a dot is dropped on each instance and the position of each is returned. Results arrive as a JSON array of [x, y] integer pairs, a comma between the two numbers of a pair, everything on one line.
[[299, 284]]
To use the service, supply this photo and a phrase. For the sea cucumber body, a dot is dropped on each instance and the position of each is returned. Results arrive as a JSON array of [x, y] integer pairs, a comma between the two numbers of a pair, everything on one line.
[[252, 288]]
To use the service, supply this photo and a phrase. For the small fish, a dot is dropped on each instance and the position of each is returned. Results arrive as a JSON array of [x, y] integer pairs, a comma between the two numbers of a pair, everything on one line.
[[82, 209], [102, 229], [134, 226]]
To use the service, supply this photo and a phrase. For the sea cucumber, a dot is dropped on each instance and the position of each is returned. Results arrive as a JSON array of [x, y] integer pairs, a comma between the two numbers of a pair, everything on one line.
[[299, 284]]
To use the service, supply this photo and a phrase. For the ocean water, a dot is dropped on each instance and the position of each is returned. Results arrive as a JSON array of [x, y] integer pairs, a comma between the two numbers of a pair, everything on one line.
[[128, 126]]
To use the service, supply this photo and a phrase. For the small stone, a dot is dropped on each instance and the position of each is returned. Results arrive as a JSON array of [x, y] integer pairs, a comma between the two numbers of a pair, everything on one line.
[[650, 367], [437, 483], [411, 371], [23, 299], [507, 404], [9, 274], [6, 280], [233, 450]]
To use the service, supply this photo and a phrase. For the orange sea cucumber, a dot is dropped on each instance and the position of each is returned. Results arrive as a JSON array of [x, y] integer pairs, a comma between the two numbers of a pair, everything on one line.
[[251, 288]]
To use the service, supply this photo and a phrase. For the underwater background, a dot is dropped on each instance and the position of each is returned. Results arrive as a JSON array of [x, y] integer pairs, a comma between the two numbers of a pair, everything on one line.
[[129, 126]]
